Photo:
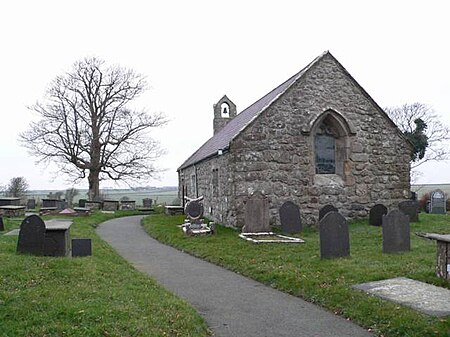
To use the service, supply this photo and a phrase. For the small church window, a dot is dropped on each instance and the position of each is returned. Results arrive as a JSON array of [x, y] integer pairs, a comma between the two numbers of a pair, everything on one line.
[[325, 150], [215, 182], [225, 110]]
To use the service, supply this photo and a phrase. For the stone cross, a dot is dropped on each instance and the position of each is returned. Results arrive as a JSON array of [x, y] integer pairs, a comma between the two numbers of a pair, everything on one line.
[[256, 218], [334, 236], [290, 219], [376, 213], [396, 232]]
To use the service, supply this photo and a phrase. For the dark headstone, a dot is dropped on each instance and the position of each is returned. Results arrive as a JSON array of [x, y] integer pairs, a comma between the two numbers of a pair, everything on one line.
[[9, 201], [81, 247], [325, 209], [290, 219], [82, 203], [2, 225], [194, 210], [376, 214], [438, 202], [334, 236], [410, 208], [395, 232], [50, 203], [57, 237], [147, 202], [256, 218], [31, 236], [31, 204]]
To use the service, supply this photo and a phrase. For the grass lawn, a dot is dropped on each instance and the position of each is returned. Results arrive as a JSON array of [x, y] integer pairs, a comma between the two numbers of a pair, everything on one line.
[[298, 269], [100, 295]]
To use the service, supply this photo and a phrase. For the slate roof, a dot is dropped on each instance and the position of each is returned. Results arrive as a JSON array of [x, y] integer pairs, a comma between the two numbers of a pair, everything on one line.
[[222, 139]]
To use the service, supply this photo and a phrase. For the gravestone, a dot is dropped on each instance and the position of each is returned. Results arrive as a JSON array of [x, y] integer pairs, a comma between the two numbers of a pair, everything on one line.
[[50, 203], [410, 208], [31, 236], [110, 205], [147, 202], [334, 236], [194, 209], [31, 204], [376, 214], [396, 232], [325, 209], [128, 204], [93, 205], [256, 218], [82, 203], [81, 247], [2, 225], [290, 219], [438, 202]]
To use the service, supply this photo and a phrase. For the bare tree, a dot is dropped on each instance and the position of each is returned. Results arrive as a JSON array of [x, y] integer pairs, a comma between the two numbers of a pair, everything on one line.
[[17, 187], [89, 129], [70, 194], [407, 118]]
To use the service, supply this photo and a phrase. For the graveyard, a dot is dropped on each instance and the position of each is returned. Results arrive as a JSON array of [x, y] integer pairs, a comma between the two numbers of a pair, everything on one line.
[[98, 295], [300, 270]]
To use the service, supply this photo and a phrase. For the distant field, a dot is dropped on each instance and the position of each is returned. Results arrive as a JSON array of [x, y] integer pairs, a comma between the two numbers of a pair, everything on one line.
[[166, 197], [427, 188]]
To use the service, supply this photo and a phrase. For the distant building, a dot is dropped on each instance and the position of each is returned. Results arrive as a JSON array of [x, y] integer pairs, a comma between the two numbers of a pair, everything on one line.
[[316, 139]]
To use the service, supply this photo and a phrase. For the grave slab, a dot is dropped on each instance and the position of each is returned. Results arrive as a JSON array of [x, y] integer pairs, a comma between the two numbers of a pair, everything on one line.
[[423, 297]]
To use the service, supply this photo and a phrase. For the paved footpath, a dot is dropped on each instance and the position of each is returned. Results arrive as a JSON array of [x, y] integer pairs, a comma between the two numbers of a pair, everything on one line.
[[232, 305]]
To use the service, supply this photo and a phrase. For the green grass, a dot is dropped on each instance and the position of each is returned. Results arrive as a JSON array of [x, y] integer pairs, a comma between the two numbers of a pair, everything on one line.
[[100, 295], [297, 269]]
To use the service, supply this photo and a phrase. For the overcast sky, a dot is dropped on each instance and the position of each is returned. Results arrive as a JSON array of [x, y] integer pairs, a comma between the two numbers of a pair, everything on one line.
[[194, 52]]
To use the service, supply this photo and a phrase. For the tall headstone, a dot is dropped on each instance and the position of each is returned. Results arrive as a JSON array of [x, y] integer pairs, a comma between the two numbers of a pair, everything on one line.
[[325, 209], [410, 208], [290, 219], [376, 214], [396, 237], [334, 236], [256, 219], [438, 202], [31, 236]]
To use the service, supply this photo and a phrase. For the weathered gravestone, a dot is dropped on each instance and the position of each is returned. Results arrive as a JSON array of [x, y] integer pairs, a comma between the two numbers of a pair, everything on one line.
[[2, 225], [256, 218], [110, 205], [82, 203], [410, 208], [31, 204], [334, 236], [438, 202], [376, 214], [326, 209], [396, 232], [290, 219], [81, 247], [147, 202], [32, 236]]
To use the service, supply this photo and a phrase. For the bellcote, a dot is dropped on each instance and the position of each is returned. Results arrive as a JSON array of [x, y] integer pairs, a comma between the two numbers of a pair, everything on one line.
[[224, 112]]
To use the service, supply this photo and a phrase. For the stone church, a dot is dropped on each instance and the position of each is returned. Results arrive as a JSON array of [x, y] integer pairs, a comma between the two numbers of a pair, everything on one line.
[[316, 139]]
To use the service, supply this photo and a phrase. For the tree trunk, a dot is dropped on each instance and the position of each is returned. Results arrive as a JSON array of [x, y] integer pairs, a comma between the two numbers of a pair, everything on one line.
[[94, 186]]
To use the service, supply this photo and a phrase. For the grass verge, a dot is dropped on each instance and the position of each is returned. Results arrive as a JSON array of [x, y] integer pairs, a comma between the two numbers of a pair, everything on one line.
[[297, 269], [100, 295]]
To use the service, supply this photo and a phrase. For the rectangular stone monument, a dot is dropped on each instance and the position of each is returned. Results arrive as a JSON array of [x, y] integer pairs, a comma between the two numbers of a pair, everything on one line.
[[9, 201], [256, 218], [376, 214], [31, 236], [57, 237], [31, 204], [147, 202], [411, 209], [438, 202], [290, 219], [396, 232], [50, 203], [128, 204], [93, 205], [81, 247], [334, 236], [110, 205]]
